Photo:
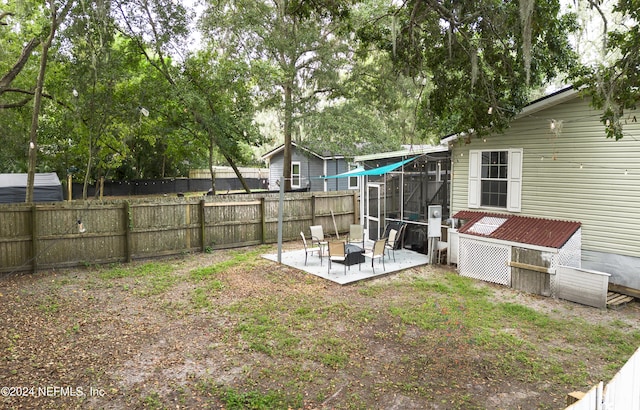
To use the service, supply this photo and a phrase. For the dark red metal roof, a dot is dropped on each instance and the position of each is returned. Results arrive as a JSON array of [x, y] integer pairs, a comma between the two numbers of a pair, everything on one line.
[[550, 233]]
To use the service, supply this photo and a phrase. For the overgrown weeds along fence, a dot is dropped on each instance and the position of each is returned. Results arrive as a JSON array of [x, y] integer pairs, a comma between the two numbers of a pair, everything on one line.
[[45, 236]]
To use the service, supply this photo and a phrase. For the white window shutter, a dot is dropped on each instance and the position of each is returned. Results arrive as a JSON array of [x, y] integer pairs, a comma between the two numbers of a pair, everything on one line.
[[514, 184], [474, 180]]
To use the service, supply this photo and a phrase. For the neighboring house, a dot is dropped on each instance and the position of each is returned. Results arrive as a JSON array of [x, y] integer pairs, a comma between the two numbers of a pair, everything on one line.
[[308, 168], [555, 162]]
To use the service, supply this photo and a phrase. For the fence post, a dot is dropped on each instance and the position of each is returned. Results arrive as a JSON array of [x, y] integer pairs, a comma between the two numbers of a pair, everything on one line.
[[34, 239], [355, 208], [69, 187], [313, 209], [187, 222], [203, 226], [128, 222], [263, 219]]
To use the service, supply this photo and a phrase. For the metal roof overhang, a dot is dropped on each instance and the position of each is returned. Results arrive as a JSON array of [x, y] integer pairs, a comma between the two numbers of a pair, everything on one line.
[[410, 151]]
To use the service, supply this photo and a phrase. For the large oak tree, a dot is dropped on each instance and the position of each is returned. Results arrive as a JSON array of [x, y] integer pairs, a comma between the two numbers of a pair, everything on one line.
[[296, 46]]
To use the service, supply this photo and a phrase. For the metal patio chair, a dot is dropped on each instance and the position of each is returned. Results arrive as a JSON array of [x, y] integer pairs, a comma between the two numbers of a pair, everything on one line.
[[309, 250], [356, 235], [337, 253], [377, 252], [317, 238], [390, 245]]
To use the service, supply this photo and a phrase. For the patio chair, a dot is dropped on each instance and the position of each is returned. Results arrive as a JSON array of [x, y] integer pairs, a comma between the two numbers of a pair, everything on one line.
[[356, 235], [337, 253], [391, 243], [377, 252], [317, 238], [309, 250]]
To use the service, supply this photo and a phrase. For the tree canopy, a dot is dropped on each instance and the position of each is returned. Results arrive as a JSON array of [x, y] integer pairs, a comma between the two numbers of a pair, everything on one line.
[[480, 59], [128, 89], [614, 83]]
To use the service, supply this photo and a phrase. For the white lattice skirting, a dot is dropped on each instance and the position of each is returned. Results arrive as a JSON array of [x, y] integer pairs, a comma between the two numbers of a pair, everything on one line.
[[484, 261]]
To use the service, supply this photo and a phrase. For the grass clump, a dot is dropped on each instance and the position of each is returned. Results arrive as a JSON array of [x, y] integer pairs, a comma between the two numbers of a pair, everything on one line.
[[235, 399], [331, 351], [137, 271], [266, 335], [244, 259], [147, 279], [253, 400], [200, 299]]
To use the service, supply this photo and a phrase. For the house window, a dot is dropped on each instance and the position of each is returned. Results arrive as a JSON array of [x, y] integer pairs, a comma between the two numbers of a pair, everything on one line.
[[495, 179], [353, 181], [295, 174]]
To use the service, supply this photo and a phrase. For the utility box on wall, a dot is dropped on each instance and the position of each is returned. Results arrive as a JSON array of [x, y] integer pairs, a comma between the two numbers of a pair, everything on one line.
[[435, 220]]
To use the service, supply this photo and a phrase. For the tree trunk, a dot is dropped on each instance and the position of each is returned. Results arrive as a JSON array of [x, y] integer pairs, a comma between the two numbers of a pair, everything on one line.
[[213, 174], [37, 103], [238, 174], [88, 171]]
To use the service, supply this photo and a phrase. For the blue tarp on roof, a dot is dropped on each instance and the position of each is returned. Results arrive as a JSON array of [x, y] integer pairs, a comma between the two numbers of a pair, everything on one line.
[[373, 171]]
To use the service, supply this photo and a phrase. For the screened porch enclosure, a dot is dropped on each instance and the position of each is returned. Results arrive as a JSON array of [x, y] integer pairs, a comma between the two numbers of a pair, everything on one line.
[[404, 194]]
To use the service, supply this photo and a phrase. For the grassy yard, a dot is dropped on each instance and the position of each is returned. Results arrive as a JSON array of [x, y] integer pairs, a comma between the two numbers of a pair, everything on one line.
[[232, 330]]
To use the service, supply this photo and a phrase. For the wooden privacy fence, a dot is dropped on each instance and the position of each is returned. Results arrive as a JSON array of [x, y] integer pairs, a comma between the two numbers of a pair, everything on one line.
[[45, 236]]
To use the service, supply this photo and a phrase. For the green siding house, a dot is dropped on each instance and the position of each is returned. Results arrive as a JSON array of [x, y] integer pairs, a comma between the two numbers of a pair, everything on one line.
[[555, 162]]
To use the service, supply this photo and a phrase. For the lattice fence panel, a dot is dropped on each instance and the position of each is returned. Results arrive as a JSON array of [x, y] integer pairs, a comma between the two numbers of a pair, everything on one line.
[[569, 255], [571, 252], [485, 261]]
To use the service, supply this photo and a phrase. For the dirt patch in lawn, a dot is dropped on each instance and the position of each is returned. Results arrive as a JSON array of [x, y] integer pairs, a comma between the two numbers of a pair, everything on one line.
[[232, 330]]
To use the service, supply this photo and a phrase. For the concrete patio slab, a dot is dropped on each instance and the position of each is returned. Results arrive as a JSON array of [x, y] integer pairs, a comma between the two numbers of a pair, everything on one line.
[[404, 259]]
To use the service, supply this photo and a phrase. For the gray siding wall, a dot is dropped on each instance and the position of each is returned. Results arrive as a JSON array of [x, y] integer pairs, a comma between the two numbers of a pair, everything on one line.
[[311, 167], [335, 167], [275, 170], [574, 174]]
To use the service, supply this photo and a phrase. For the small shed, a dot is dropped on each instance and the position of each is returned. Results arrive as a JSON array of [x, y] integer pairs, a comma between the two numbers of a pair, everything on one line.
[[47, 188], [517, 251]]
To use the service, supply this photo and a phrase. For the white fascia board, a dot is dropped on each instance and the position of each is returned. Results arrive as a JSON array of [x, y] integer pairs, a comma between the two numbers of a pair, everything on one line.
[[402, 153], [547, 102]]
